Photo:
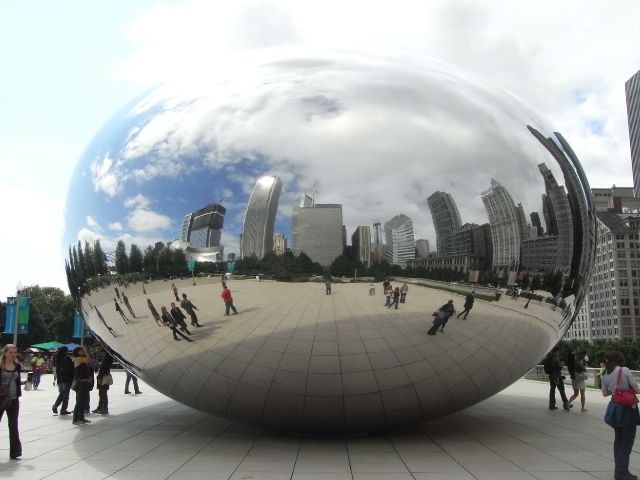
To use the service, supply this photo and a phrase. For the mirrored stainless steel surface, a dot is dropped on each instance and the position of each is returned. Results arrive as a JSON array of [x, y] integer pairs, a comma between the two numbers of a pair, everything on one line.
[[387, 158]]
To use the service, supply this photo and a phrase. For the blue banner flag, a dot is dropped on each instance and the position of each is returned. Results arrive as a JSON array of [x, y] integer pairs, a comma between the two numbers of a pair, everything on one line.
[[23, 315], [10, 317], [78, 324]]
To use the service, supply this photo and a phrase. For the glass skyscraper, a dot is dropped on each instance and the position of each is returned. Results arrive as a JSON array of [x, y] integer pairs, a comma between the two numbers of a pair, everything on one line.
[[317, 230], [257, 232], [446, 218], [203, 228], [401, 244]]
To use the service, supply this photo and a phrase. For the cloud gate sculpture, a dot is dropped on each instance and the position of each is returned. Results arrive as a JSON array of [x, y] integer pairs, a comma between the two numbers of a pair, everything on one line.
[[294, 163]]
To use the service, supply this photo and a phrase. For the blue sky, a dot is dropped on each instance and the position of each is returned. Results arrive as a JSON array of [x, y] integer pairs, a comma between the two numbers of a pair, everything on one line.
[[66, 67]]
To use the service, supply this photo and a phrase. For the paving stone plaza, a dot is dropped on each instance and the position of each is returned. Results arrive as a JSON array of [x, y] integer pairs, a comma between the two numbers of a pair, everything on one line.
[[511, 436]]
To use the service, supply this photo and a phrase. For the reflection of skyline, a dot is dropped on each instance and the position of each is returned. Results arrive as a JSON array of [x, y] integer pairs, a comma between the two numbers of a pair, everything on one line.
[[257, 231]]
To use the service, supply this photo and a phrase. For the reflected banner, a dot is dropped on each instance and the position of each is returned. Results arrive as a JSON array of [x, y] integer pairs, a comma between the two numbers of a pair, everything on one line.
[[79, 327], [10, 317]]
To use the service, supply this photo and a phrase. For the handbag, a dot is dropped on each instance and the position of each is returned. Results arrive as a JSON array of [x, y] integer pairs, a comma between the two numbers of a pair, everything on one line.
[[107, 379], [623, 397]]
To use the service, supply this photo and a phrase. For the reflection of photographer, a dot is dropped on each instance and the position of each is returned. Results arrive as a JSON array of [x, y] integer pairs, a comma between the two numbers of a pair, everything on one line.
[[553, 367]]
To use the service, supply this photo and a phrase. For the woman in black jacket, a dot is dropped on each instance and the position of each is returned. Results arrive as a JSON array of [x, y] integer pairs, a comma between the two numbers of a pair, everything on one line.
[[103, 381], [10, 376], [82, 380]]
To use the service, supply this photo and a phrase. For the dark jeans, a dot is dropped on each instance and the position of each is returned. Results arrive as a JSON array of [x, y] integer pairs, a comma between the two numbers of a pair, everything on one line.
[[15, 447], [36, 378], [556, 382], [465, 312], [194, 318], [403, 297], [135, 383], [82, 394], [64, 388], [229, 305], [622, 445], [394, 302], [103, 398]]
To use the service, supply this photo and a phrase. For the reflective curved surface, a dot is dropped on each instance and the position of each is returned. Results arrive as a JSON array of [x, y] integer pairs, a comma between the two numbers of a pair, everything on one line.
[[395, 159]]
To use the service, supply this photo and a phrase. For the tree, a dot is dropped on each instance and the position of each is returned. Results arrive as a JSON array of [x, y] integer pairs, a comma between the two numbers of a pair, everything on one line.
[[89, 260], [80, 265], [121, 258], [535, 283], [135, 259], [99, 259]]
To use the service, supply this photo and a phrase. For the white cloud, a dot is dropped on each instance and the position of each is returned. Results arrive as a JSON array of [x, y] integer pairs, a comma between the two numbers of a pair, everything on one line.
[[116, 226], [104, 176], [141, 220], [139, 201], [91, 223], [543, 51]]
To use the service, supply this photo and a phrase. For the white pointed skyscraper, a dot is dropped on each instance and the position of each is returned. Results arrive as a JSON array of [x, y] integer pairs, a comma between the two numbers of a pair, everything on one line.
[[401, 244], [257, 232]]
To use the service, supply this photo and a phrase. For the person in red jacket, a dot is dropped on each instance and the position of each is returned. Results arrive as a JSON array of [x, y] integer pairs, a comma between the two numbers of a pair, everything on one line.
[[228, 301]]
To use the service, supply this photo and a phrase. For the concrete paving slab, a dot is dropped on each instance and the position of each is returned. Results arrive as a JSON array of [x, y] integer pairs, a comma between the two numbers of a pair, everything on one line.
[[149, 436]]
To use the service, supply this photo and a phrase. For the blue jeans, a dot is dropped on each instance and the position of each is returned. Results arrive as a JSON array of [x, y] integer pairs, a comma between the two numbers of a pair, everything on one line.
[[64, 388], [622, 446]]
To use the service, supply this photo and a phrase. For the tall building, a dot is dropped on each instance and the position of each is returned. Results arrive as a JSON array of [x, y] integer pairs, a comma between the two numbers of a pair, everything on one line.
[[279, 243], [505, 228], [318, 230], [445, 216], [377, 234], [203, 228], [401, 244], [632, 90], [422, 248], [559, 203], [611, 310], [535, 223], [257, 231], [304, 201], [361, 245]]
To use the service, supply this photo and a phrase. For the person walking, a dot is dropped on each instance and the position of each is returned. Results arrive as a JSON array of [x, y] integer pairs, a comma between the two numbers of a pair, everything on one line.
[[131, 378], [388, 293], [442, 317], [622, 418], [37, 367], [468, 304], [65, 372], [327, 287], [228, 301], [117, 292], [104, 380], [372, 289], [579, 383], [190, 308], [170, 322], [119, 310], [403, 292], [174, 290], [179, 317], [125, 299], [81, 379], [154, 312], [396, 298], [553, 366], [11, 383]]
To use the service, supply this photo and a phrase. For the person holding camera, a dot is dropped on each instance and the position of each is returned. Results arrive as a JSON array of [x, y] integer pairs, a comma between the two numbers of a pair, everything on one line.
[[82, 380], [556, 379]]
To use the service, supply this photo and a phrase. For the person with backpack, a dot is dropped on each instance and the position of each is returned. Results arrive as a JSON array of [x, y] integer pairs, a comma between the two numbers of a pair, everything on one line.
[[553, 367]]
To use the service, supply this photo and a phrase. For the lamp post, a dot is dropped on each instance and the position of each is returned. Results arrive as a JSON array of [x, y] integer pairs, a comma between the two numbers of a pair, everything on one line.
[[15, 323]]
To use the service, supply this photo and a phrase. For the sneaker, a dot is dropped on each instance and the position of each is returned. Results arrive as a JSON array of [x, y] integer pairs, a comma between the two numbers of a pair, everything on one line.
[[54, 409], [75, 422], [553, 408], [584, 410], [138, 392], [97, 410], [127, 392], [65, 412], [15, 456], [85, 421]]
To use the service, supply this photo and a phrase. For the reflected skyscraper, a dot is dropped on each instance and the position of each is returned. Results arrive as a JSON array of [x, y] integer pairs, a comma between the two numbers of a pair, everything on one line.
[[558, 202], [361, 245], [422, 248], [445, 216], [632, 91], [203, 228], [505, 227], [257, 231], [318, 230], [279, 243], [401, 245]]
